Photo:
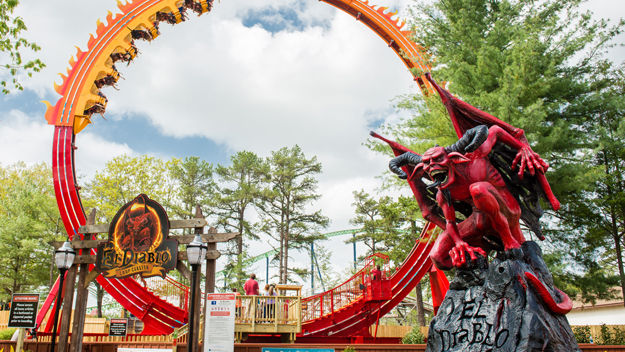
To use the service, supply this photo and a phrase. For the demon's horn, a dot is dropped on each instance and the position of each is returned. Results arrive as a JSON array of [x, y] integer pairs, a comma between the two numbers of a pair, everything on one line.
[[470, 141], [407, 158], [557, 308]]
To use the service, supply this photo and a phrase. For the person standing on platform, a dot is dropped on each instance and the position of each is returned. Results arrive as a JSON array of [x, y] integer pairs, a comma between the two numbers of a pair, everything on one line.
[[251, 286], [376, 274], [237, 306], [251, 289]]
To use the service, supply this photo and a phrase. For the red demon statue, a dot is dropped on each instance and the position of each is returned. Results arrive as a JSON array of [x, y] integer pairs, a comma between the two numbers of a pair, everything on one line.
[[477, 177]]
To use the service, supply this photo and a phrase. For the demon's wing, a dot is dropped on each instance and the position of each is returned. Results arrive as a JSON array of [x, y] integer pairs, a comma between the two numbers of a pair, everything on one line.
[[527, 191]]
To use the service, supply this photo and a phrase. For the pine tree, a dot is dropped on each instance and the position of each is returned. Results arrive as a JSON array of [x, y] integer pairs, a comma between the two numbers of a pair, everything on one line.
[[239, 191], [289, 191]]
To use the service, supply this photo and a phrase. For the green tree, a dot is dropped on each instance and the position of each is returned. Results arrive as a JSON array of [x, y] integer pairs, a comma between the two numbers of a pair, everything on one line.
[[289, 191], [29, 218], [193, 184], [539, 66], [124, 178], [240, 188], [593, 216], [372, 226], [11, 44]]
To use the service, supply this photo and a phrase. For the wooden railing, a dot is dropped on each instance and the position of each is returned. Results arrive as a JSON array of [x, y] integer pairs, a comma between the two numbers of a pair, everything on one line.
[[272, 310]]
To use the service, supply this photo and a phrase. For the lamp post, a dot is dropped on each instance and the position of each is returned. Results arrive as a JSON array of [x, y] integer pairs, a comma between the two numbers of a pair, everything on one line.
[[196, 252], [64, 259]]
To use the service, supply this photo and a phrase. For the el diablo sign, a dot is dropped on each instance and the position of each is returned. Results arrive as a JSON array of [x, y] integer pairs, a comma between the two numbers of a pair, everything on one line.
[[138, 242]]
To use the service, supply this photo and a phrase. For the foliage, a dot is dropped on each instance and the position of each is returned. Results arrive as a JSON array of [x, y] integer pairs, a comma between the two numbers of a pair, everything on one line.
[[581, 333], [11, 44], [284, 199], [29, 218], [611, 335], [538, 66], [194, 182], [594, 215], [329, 277], [349, 349], [7, 334], [369, 220], [239, 190], [125, 177], [414, 336]]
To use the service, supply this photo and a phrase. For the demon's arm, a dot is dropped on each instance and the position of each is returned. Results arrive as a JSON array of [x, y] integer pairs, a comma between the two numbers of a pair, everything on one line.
[[457, 254], [525, 157]]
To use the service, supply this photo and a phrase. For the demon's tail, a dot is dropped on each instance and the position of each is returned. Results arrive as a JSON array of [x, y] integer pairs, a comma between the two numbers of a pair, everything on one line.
[[558, 308]]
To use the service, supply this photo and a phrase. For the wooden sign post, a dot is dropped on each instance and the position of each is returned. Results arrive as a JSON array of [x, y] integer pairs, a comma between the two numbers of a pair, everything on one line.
[[78, 327], [86, 277]]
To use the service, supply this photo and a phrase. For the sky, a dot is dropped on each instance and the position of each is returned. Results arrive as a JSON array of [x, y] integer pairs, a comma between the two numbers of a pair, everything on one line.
[[253, 75]]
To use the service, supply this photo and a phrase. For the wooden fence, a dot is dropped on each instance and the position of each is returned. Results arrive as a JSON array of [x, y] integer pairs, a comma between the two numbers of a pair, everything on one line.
[[92, 325], [401, 331]]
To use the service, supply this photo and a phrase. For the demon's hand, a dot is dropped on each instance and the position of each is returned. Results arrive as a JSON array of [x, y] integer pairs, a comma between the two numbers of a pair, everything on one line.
[[526, 157], [458, 257]]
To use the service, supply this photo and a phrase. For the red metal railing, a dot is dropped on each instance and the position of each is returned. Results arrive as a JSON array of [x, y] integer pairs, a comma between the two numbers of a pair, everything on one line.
[[328, 302]]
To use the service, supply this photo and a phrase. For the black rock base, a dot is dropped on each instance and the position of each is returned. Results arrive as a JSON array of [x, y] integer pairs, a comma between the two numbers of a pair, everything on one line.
[[497, 308]]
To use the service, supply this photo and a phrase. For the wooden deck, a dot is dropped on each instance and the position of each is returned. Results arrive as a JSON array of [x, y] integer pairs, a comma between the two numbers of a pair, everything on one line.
[[280, 315]]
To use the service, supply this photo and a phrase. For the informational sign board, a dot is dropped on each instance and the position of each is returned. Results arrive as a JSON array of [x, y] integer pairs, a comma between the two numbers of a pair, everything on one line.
[[24, 308], [118, 327], [219, 332], [272, 349]]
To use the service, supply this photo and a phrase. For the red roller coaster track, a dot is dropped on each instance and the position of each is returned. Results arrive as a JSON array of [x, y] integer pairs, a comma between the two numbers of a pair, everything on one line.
[[70, 115]]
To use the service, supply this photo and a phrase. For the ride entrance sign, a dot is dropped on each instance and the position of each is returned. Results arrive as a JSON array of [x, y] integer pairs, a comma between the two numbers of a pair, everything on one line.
[[138, 242], [219, 332], [24, 308]]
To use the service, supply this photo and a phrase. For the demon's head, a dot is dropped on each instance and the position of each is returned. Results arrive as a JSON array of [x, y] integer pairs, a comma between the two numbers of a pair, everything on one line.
[[439, 162], [440, 166]]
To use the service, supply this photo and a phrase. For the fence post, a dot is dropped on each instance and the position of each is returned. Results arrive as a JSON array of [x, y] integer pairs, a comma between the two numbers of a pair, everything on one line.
[[68, 301], [78, 328]]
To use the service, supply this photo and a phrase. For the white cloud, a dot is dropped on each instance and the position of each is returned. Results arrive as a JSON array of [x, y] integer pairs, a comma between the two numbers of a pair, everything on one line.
[[93, 152], [29, 138], [24, 138]]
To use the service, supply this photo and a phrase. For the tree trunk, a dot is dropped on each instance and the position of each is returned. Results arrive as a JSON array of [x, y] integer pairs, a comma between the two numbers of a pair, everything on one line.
[[239, 270], [52, 266], [281, 256], [420, 310], [619, 259], [99, 297]]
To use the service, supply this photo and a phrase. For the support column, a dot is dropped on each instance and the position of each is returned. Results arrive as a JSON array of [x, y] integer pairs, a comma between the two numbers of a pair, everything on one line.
[[68, 300], [355, 269], [82, 294], [198, 291], [312, 268], [209, 284]]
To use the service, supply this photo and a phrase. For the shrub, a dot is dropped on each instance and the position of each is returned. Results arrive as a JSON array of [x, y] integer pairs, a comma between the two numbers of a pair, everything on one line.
[[6, 334], [349, 349], [582, 333], [413, 336], [614, 336]]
